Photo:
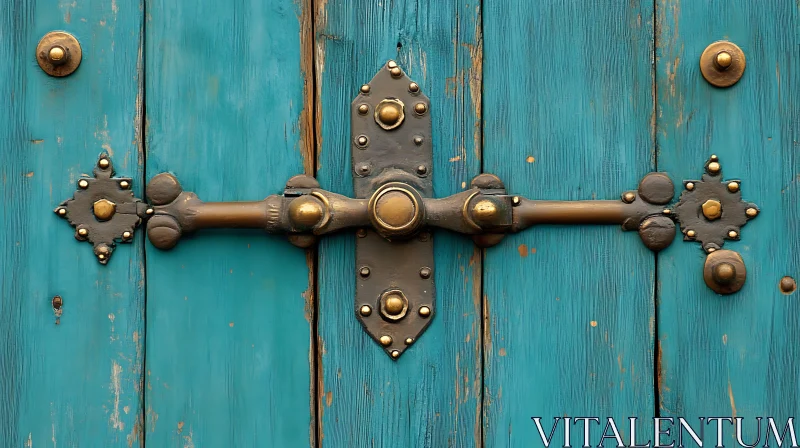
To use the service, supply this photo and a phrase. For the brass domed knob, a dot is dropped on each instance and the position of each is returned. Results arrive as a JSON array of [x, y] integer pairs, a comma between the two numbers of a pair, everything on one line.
[[390, 113]]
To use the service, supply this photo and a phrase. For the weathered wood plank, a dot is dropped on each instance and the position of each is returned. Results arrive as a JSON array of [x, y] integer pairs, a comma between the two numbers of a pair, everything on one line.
[[431, 396], [733, 356], [568, 108], [73, 380], [228, 313]]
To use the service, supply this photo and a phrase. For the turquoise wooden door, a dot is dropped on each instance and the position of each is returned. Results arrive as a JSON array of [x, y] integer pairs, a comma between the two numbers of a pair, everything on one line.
[[237, 339]]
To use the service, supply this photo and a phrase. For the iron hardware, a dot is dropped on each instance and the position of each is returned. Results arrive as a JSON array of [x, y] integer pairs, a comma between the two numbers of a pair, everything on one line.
[[393, 211], [722, 63], [59, 53]]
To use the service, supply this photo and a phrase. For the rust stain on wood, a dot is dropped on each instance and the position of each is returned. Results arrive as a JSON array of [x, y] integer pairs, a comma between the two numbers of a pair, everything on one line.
[[523, 250]]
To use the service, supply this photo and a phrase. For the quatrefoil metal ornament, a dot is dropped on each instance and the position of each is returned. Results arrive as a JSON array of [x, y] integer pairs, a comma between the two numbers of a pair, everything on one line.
[[711, 210], [104, 210]]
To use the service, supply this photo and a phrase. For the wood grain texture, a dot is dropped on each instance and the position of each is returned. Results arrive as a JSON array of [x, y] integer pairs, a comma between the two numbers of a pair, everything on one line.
[[228, 313], [735, 355], [73, 380], [430, 397], [569, 311]]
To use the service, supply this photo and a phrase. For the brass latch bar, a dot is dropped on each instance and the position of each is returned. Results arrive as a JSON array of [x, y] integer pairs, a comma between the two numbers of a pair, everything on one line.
[[394, 209]]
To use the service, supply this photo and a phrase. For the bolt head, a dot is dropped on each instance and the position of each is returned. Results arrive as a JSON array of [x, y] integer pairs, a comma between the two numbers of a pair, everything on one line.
[[83, 232], [420, 108], [103, 163], [124, 184], [366, 310], [713, 167], [733, 187], [724, 59], [365, 89], [690, 186], [83, 183], [364, 272], [418, 140], [386, 340], [751, 212], [424, 311], [127, 235], [691, 233], [413, 87], [57, 54], [363, 109], [712, 209]]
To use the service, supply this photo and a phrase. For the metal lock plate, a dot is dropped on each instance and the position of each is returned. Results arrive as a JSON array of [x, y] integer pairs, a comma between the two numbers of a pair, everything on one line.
[[392, 157]]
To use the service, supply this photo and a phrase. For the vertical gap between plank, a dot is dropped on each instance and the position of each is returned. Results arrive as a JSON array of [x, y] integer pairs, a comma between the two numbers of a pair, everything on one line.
[[481, 443], [656, 298], [314, 265], [142, 148]]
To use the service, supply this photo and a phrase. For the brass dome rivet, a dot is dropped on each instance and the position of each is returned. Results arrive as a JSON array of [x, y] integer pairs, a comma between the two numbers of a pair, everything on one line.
[[57, 55], [104, 209], [391, 64], [710, 249], [422, 170], [409, 341], [714, 158], [83, 232], [61, 211], [366, 310], [420, 108], [733, 187], [733, 234], [424, 311], [413, 87], [425, 272], [103, 163], [723, 60], [713, 167], [362, 140], [363, 109], [515, 201], [363, 169], [394, 305], [127, 235], [690, 186], [395, 354], [305, 212], [691, 233], [751, 212], [124, 184], [389, 113], [365, 89], [83, 183], [712, 209], [418, 140], [101, 256], [149, 211], [396, 72], [788, 285], [361, 233], [666, 211], [364, 272], [629, 197], [386, 340], [724, 273]]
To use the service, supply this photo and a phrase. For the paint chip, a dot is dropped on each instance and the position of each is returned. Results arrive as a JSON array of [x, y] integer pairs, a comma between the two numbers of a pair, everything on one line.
[[530, 159], [593, 323]]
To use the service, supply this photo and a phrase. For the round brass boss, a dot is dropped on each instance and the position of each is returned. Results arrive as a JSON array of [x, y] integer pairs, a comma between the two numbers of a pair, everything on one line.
[[712, 209], [393, 304], [722, 63], [104, 209], [58, 53], [395, 210], [390, 113], [724, 271]]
